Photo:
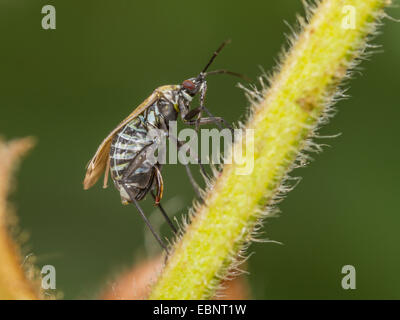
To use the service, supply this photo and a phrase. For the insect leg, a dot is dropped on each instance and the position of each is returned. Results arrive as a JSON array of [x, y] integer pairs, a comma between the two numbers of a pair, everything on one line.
[[193, 181], [162, 244], [227, 125], [189, 173], [164, 213], [160, 185], [205, 120], [189, 118], [195, 112], [202, 98], [203, 91], [136, 162]]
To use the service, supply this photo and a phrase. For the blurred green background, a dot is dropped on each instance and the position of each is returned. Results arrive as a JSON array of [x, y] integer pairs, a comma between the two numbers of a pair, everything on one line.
[[70, 86]]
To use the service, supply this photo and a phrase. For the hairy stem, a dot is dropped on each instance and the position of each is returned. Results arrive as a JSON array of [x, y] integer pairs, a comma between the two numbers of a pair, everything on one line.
[[283, 117]]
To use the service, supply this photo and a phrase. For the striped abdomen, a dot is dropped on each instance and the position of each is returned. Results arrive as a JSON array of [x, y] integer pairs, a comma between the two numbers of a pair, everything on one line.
[[127, 144]]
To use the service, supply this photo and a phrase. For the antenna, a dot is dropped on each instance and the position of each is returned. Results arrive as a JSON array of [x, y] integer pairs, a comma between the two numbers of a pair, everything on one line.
[[215, 54], [223, 71]]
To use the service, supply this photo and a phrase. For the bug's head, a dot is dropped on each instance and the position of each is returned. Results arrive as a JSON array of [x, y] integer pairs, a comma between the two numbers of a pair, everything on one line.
[[192, 86]]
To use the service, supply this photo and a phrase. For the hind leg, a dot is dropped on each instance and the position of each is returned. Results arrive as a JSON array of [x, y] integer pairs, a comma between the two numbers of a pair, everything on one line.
[[164, 213], [135, 202], [135, 197], [157, 197]]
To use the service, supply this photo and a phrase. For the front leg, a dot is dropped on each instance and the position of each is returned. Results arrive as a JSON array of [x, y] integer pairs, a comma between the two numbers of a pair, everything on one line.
[[193, 113], [206, 120], [187, 167], [188, 117]]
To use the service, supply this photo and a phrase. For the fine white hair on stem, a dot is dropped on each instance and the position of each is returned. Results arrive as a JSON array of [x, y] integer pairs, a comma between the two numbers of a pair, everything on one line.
[[286, 118]]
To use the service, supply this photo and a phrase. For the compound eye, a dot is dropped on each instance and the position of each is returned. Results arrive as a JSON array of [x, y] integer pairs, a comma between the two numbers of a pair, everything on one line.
[[189, 85]]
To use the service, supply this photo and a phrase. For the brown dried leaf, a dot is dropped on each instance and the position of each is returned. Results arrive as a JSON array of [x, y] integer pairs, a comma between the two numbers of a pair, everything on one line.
[[13, 281]]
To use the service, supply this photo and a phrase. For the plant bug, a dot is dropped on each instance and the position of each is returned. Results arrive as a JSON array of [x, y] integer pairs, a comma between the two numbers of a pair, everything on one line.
[[123, 152]]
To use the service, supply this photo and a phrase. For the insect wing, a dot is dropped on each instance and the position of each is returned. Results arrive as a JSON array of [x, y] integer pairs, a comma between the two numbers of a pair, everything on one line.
[[98, 163]]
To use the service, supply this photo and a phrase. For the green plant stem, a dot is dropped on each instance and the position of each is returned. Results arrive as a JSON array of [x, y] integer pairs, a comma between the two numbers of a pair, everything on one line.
[[286, 116]]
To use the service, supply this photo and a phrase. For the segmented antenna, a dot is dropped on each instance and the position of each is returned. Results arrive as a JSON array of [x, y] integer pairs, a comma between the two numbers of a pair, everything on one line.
[[215, 54], [223, 71]]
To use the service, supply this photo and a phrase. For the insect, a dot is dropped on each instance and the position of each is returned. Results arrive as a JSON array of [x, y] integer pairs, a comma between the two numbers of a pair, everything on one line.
[[123, 153]]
